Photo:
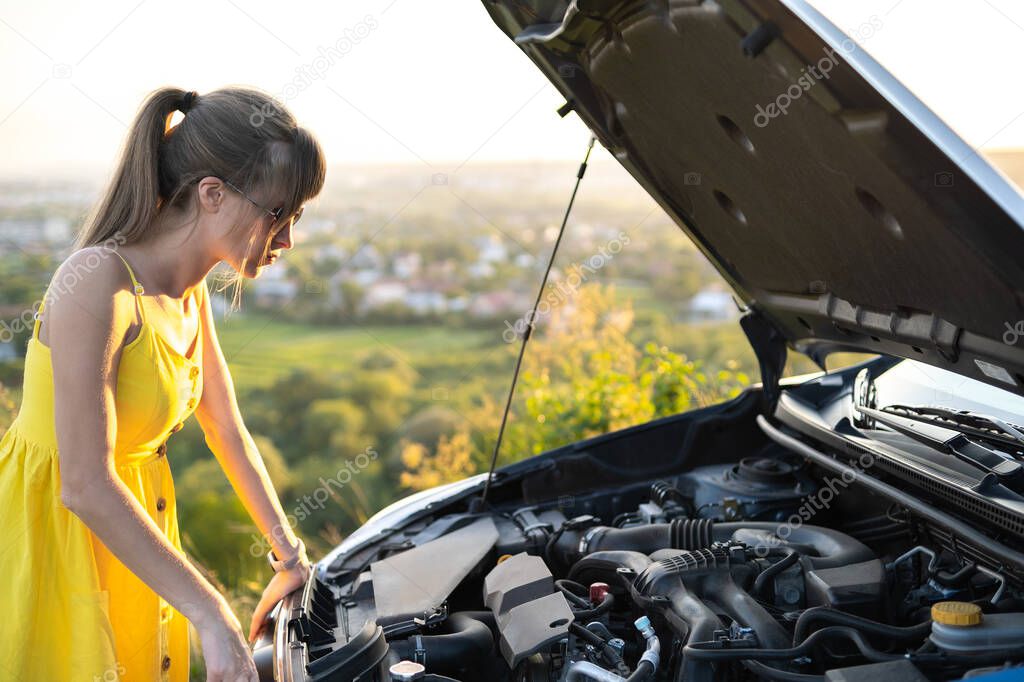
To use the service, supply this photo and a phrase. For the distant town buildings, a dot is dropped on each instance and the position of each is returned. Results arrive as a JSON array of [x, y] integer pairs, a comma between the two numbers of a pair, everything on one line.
[[713, 303], [403, 281], [33, 234]]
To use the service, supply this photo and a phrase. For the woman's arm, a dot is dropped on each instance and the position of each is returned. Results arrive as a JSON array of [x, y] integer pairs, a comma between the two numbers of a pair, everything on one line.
[[230, 442], [85, 328]]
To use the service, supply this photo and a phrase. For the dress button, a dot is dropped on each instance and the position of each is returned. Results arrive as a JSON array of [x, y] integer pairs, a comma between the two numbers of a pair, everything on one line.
[[193, 373], [161, 449], [177, 427], [191, 403], [161, 504], [166, 663]]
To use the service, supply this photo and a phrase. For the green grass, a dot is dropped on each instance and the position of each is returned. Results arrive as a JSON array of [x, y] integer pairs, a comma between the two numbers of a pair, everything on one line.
[[259, 349]]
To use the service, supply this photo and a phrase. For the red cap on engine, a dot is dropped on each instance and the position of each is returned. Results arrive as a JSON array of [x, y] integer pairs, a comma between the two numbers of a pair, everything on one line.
[[597, 592]]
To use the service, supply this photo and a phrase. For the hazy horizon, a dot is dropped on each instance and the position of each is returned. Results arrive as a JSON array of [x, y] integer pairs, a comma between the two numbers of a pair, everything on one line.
[[1010, 161], [410, 87]]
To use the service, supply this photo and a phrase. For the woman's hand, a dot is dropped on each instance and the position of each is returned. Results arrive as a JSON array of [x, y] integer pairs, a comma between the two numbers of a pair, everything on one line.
[[280, 586], [227, 657]]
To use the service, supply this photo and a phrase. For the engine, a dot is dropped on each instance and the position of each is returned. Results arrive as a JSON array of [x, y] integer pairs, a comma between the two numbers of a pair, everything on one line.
[[712, 575]]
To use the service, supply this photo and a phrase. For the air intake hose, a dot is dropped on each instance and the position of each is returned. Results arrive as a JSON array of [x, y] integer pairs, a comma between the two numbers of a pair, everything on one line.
[[822, 547], [466, 642]]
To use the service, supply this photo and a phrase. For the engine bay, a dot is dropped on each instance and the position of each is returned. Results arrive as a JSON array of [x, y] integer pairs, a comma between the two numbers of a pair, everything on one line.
[[766, 568]]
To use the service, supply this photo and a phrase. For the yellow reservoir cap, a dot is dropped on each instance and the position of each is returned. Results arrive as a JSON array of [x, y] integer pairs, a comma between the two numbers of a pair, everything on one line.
[[956, 613]]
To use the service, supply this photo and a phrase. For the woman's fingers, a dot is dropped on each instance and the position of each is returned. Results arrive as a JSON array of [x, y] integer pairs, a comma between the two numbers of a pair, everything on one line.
[[281, 585], [265, 605], [271, 595]]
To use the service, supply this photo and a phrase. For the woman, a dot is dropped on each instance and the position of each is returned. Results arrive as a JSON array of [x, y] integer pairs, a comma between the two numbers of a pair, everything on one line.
[[93, 581]]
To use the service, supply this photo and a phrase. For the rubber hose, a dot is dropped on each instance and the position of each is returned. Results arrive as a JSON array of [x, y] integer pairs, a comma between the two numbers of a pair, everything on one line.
[[569, 589], [606, 604], [695, 651], [828, 548], [468, 641], [769, 673], [871, 627], [773, 570], [643, 670]]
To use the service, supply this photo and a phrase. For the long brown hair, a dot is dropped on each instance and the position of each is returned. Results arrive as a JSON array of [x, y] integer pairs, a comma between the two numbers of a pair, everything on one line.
[[240, 134]]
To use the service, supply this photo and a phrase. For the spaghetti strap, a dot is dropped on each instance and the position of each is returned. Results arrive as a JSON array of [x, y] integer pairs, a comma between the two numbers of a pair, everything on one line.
[[39, 313], [39, 320], [137, 288]]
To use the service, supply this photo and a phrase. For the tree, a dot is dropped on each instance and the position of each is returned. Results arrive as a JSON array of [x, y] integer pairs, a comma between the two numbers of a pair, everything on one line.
[[351, 298], [451, 460], [282, 409], [331, 425], [384, 398], [215, 526], [430, 424], [583, 377]]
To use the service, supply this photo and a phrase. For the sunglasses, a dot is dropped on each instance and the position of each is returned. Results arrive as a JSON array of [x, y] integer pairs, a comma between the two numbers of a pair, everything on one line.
[[275, 213]]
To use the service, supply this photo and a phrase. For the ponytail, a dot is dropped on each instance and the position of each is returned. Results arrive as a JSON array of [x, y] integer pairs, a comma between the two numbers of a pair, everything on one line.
[[132, 199]]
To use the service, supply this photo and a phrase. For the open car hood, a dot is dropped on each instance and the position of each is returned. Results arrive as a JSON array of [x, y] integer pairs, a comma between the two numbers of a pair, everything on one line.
[[854, 220]]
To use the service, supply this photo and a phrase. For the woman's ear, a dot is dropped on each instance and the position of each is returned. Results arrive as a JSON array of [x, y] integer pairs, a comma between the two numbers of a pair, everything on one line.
[[211, 192]]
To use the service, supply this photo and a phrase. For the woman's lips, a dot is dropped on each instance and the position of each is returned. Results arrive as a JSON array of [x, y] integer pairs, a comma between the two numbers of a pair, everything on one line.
[[270, 259]]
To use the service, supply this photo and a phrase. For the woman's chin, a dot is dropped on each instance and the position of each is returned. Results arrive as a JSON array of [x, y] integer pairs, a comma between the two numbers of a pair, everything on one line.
[[250, 271], [252, 268]]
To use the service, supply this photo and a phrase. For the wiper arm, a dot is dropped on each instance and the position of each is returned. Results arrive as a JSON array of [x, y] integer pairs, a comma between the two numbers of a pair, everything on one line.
[[1001, 467], [973, 423]]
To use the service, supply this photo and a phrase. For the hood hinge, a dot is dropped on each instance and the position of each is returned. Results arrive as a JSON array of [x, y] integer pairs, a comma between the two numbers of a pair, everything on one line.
[[770, 347]]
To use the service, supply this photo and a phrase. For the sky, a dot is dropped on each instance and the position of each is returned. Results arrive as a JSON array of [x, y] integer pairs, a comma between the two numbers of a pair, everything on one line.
[[411, 83]]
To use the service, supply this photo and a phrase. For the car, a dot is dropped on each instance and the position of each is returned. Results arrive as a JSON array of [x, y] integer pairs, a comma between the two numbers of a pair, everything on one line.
[[861, 523]]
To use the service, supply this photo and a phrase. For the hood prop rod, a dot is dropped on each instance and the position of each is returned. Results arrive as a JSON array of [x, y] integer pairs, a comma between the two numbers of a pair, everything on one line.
[[532, 316]]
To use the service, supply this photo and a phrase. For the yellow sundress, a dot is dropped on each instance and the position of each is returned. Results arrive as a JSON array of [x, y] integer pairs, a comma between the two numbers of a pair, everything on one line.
[[69, 609]]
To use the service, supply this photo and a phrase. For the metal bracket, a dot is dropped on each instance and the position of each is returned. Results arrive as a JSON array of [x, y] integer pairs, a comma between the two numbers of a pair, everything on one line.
[[770, 348]]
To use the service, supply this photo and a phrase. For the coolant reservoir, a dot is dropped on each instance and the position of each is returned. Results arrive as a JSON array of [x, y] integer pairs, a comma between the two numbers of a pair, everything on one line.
[[960, 627]]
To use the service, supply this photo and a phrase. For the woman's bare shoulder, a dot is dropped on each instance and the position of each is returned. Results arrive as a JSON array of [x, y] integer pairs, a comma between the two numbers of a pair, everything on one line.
[[91, 286], [93, 274]]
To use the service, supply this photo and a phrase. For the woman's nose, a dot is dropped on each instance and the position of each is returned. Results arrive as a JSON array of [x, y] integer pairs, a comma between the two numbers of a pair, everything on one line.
[[283, 238]]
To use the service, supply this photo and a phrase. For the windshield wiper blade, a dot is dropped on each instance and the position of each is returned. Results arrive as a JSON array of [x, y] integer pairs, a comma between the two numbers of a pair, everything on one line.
[[973, 423], [998, 465]]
